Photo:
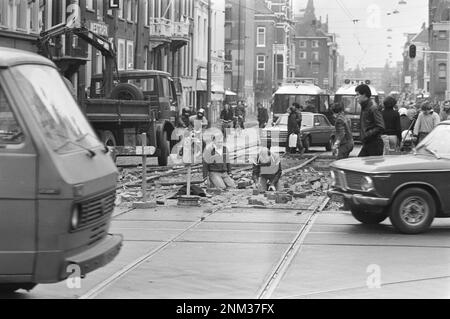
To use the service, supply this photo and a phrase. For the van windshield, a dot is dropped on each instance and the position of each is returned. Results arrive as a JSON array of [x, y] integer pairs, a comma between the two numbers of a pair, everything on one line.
[[54, 108]]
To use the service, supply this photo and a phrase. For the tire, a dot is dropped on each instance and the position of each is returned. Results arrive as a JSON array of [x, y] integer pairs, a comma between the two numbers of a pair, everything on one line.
[[10, 288], [412, 211], [108, 139], [307, 143], [368, 218], [329, 146], [163, 145], [127, 91]]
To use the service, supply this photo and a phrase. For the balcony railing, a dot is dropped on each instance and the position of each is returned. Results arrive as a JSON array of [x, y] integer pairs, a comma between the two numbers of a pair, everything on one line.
[[161, 27], [181, 29]]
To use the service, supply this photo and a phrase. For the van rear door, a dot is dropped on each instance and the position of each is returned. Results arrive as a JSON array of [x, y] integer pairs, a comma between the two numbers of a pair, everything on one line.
[[18, 161]]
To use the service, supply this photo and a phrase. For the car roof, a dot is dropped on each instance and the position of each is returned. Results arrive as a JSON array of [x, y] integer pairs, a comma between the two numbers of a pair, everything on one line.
[[11, 57], [350, 90], [138, 73], [302, 88]]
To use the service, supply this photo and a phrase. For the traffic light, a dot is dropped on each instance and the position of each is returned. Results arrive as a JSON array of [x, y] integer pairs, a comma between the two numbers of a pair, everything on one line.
[[412, 51]]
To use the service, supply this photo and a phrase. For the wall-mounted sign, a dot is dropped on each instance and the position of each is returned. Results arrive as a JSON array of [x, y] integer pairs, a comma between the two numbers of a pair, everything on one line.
[[99, 28], [114, 4]]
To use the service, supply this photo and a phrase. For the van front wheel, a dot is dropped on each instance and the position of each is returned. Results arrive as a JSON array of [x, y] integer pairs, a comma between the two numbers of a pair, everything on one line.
[[10, 288]]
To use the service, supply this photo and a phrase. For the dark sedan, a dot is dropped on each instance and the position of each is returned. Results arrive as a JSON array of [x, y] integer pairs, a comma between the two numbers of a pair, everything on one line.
[[409, 189], [316, 130]]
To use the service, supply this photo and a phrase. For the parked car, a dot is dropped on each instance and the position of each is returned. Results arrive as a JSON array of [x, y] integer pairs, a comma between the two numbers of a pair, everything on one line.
[[316, 130], [410, 189]]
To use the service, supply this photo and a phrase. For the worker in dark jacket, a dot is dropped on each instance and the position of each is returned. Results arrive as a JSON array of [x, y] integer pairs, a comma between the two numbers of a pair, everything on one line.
[[372, 123], [184, 118], [263, 116], [293, 128], [217, 167], [267, 171], [393, 131], [343, 144]]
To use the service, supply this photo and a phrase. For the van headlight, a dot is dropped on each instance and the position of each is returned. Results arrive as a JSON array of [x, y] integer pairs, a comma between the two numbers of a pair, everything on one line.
[[333, 178], [75, 218], [367, 184]]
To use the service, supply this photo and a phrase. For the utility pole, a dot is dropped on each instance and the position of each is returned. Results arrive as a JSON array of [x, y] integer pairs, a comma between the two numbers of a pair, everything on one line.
[[208, 80], [239, 51]]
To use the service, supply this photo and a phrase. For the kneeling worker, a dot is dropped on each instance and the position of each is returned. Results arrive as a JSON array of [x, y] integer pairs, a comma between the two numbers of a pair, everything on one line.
[[267, 170], [217, 167]]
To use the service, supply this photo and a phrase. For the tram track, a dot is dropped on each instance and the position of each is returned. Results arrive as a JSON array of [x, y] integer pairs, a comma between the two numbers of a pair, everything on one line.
[[268, 286], [288, 256]]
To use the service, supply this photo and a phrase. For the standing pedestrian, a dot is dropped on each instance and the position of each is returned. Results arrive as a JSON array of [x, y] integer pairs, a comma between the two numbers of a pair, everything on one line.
[[298, 110], [426, 121], [393, 132], [263, 116], [445, 111], [240, 115], [344, 144], [293, 128], [372, 123], [405, 121], [226, 116]]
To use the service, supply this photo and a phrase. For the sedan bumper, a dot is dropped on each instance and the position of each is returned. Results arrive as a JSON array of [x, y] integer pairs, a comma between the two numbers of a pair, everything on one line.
[[359, 200]]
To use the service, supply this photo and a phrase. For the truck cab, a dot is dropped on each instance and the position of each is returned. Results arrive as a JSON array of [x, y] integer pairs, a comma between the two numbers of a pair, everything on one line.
[[141, 101], [57, 180]]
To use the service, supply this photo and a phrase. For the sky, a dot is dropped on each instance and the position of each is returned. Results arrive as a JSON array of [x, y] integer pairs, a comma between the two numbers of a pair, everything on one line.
[[366, 42]]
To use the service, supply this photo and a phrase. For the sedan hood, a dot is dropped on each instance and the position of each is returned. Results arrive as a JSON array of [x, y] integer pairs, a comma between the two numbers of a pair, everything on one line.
[[394, 163]]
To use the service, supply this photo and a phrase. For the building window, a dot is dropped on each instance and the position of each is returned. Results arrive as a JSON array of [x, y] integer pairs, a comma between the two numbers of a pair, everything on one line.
[[121, 55], [302, 43], [302, 55], [129, 10], [315, 68], [315, 56], [90, 5], [100, 10], [261, 37], [442, 72], [58, 12], [4, 10], [228, 13], [130, 55], [315, 43], [442, 35], [260, 68], [120, 10], [146, 7]]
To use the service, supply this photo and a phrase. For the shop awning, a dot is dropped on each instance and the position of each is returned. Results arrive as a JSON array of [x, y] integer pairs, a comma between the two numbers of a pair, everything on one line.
[[227, 92]]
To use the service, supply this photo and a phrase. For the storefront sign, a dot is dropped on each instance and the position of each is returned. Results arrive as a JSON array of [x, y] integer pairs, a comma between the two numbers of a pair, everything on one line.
[[99, 28]]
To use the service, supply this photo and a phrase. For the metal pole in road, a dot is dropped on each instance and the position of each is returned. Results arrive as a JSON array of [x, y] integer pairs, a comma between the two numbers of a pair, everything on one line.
[[208, 80]]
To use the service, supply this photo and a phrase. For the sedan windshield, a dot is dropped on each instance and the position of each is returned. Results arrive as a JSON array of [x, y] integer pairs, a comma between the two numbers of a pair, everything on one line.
[[436, 143], [54, 108]]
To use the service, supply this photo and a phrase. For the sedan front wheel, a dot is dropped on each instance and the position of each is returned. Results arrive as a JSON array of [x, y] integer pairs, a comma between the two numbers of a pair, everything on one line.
[[413, 211]]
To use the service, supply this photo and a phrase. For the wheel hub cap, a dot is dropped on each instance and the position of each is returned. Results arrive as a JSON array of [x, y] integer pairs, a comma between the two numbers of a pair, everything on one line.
[[413, 210]]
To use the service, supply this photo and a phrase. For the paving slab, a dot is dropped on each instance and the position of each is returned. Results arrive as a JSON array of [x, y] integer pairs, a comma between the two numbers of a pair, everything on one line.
[[200, 271]]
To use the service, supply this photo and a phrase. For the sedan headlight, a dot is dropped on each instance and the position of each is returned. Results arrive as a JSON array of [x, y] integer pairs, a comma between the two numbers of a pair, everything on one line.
[[367, 184], [333, 178], [75, 218]]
